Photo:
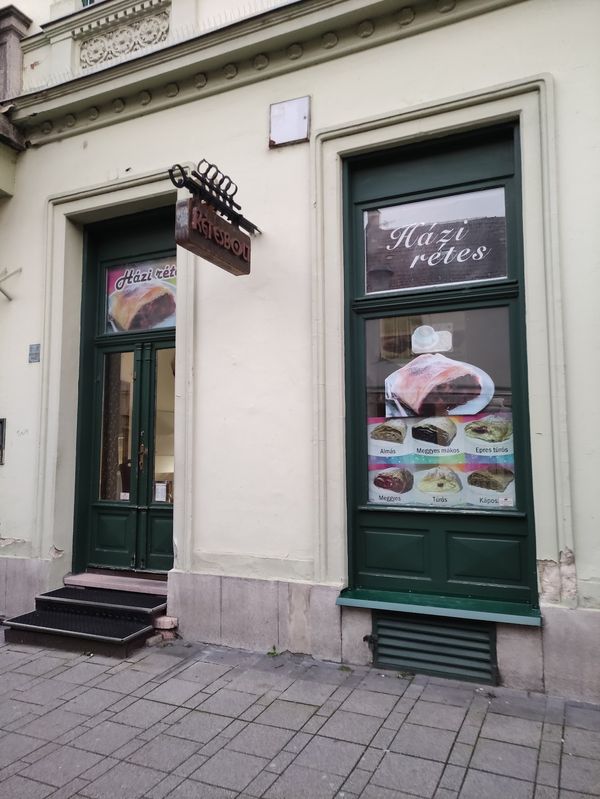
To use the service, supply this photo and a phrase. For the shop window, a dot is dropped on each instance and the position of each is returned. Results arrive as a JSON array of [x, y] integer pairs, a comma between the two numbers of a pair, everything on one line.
[[439, 487]]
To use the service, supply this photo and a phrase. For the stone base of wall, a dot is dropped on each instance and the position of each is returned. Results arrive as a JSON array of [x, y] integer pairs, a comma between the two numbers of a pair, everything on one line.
[[20, 580], [560, 658]]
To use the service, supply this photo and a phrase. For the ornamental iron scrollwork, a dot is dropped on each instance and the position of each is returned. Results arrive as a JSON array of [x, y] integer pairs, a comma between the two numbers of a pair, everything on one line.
[[215, 188]]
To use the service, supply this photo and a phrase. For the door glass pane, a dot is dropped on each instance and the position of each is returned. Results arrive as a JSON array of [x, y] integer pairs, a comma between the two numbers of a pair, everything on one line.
[[447, 240], [115, 456], [164, 440], [439, 407], [141, 296]]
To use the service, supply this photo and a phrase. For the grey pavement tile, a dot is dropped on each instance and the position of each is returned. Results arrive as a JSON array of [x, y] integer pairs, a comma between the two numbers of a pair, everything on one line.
[[370, 703], [584, 716], [555, 710], [125, 682], [445, 793], [157, 663], [255, 681], [448, 695], [71, 734], [40, 666], [328, 673], [308, 692], [61, 766], [164, 753], [461, 754], [92, 701], [481, 785], [422, 776], [357, 781], [280, 762], [379, 792], [156, 729], [432, 714], [106, 738], [123, 752], [383, 738], [17, 787], [517, 704], [297, 782], [38, 754], [213, 746], [14, 746], [512, 730], [351, 727], [370, 759], [99, 769], [190, 765], [550, 752], [234, 728], [174, 691], [45, 691], [190, 789], [14, 681], [386, 682], [142, 714], [70, 789], [314, 724], [164, 788], [13, 709], [290, 715], [509, 760], [298, 742], [124, 780], [53, 724], [98, 718], [547, 774], [176, 715], [203, 674], [575, 795], [198, 726], [552, 732], [580, 774], [469, 733], [426, 742], [22, 721], [261, 740], [452, 778], [328, 708], [228, 703], [228, 657], [545, 792], [327, 754], [229, 769], [260, 784], [394, 721], [584, 743], [82, 673]]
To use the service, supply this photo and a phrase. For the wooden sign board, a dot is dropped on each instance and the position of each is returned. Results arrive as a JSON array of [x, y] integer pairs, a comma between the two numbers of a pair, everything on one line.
[[199, 229]]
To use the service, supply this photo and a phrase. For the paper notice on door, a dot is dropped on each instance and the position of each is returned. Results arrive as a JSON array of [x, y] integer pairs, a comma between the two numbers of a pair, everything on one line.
[[124, 495], [160, 492]]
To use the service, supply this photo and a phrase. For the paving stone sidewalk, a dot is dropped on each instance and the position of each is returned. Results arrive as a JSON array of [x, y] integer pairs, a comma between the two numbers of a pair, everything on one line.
[[205, 722]]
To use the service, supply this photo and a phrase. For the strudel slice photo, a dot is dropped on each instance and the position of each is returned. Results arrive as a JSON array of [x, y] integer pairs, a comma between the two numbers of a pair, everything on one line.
[[440, 481], [397, 479], [431, 385], [490, 428], [441, 430], [141, 307], [393, 430], [494, 478]]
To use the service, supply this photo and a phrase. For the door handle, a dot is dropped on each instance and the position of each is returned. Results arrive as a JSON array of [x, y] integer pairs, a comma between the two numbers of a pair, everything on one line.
[[142, 452]]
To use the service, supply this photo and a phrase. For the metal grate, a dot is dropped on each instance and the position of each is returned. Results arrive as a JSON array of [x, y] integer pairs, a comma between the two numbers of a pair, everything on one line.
[[442, 647]]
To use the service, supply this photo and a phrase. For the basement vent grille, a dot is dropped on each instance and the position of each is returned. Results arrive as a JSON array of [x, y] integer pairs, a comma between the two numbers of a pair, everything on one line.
[[442, 647]]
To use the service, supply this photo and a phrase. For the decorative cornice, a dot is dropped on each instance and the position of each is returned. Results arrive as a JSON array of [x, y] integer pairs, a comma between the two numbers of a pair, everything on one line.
[[286, 39], [114, 18], [124, 39]]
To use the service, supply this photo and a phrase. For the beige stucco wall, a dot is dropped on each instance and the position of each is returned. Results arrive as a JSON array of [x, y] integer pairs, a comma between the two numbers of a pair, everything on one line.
[[257, 454]]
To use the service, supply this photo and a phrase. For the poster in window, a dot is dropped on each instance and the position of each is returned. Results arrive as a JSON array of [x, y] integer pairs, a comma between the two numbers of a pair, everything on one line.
[[141, 296], [436, 242]]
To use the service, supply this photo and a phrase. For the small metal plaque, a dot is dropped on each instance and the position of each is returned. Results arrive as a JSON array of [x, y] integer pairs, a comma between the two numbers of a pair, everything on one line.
[[34, 353]]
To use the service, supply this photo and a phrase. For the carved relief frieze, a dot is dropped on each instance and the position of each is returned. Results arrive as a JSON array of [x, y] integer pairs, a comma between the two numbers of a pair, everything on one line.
[[124, 40]]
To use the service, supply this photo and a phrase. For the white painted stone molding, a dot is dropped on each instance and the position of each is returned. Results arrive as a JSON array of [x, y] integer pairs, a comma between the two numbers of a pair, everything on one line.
[[124, 40]]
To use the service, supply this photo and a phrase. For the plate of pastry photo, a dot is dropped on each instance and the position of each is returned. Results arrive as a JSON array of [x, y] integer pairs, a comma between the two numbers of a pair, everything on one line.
[[142, 306], [434, 385]]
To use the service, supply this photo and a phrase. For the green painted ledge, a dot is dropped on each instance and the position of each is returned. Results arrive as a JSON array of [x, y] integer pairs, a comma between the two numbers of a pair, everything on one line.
[[431, 605]]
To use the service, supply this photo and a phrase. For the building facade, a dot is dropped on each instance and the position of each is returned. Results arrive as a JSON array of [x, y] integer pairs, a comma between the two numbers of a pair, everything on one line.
[[379, 437]]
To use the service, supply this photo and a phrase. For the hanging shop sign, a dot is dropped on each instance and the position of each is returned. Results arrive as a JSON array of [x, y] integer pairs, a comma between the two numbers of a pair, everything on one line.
[[210, 223]]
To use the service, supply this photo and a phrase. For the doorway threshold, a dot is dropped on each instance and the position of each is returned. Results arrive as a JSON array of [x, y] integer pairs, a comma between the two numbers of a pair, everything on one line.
[[118, 582]]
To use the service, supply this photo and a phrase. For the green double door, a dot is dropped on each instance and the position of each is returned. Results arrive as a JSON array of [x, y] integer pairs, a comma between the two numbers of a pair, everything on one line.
[[125, 473]]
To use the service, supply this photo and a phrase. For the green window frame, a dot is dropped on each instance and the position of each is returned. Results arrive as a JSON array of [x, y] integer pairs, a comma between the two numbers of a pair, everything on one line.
[[463, 560]]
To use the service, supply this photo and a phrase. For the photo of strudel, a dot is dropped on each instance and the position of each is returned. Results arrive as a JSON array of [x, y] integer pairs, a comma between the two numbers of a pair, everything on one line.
[[141, 307], [441, 430], [396, 479], [393, 430], [494, 478], [440, 481], [490, 428], [432, 385]]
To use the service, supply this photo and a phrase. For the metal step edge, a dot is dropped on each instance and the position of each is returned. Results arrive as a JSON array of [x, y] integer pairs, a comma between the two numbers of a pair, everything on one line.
[[103, 605], [37, 628]]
